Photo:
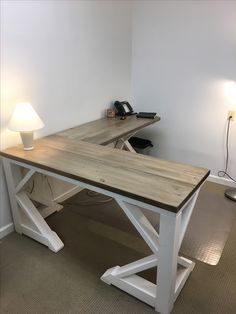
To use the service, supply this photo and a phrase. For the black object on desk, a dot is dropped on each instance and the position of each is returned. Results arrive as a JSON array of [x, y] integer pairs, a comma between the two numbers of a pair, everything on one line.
[[123, 108], [141, 143], [147, 115]]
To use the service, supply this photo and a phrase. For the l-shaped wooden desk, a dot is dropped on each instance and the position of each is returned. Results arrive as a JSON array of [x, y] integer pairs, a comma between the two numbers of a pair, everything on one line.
[[135, 181]]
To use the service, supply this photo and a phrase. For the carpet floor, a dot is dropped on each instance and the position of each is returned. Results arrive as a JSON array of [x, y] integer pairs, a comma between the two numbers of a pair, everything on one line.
[[35, 280]]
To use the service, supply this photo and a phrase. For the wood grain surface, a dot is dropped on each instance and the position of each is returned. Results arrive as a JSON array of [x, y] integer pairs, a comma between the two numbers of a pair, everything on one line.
[[104, 131], [154, 181]]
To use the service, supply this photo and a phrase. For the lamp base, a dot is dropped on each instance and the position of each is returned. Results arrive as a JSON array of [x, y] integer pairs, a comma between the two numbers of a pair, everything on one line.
[[27, 139], [231, 194]]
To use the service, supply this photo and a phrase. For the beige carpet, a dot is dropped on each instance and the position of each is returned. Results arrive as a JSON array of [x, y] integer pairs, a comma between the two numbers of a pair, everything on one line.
[[35, 280]]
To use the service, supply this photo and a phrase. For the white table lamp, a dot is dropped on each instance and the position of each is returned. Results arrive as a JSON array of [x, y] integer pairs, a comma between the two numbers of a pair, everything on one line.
[[25, 120]]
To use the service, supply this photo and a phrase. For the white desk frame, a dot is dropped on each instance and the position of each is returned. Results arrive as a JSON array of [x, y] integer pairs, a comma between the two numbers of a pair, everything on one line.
[[165, 245]]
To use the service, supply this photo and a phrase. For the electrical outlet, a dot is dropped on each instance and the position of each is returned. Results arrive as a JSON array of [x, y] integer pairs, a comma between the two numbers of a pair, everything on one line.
[[232, 114]]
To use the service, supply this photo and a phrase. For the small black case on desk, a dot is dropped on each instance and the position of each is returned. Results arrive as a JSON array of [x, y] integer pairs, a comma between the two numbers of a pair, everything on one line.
[[147, 115], [138, 142]]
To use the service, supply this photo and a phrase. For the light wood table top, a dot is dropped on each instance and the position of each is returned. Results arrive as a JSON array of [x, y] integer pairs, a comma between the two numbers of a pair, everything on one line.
[[104, 131], [158, 182]]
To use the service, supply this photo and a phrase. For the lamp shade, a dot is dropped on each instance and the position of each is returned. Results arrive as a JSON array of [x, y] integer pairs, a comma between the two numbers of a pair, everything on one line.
[[25, 119]]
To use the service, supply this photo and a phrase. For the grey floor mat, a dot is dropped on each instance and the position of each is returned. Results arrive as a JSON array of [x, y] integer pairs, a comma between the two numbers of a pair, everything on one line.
[[210, 225], [205, 237]]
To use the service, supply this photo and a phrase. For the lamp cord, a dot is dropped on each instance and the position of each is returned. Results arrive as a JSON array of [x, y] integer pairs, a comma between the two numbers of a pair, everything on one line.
[[86, 202], [224, 173]]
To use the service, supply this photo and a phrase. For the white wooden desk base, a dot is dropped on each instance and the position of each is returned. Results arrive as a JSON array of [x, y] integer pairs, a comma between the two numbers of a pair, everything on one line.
[[165, 245]]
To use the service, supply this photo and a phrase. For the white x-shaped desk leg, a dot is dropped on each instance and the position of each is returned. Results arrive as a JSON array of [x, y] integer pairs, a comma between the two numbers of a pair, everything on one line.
[[123, 143], [165, 246], [26, 217]]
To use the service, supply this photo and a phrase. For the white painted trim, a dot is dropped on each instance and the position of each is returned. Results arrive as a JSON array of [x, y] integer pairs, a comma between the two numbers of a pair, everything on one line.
[[4, 231], [221, 180]]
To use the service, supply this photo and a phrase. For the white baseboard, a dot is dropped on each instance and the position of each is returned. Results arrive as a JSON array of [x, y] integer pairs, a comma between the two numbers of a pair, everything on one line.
[[221, 180], [4, 231]]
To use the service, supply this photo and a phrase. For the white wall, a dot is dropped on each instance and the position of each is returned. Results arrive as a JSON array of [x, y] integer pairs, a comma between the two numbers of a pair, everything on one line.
[[184, 54], [70, 59]]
